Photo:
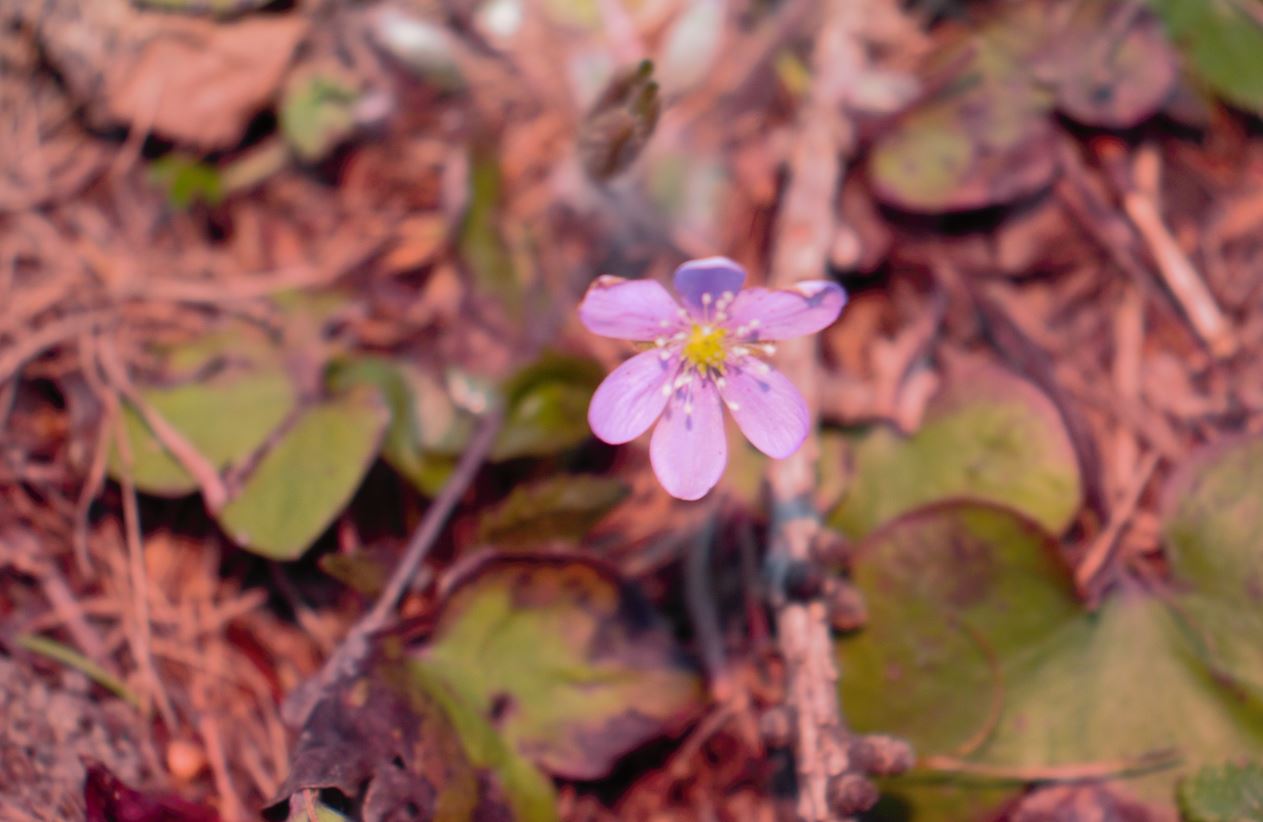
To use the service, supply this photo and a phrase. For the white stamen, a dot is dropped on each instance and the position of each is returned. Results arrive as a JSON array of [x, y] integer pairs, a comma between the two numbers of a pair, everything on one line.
[[733, 406], [706, 298], [720, 382], [688, 408], [762, 368], [664, 355], [729, 296], [755, 323], [661, 341], [666, 390], [664, 323]]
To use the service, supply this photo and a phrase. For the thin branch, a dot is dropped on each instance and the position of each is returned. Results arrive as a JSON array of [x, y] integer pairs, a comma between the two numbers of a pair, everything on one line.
[[354, 646]]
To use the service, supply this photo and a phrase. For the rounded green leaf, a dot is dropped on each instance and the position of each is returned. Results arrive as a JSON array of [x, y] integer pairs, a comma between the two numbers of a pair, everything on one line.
[[307, 476], [565, 659], [977, 651], [1212, 521], [987, 435], [225, 418]]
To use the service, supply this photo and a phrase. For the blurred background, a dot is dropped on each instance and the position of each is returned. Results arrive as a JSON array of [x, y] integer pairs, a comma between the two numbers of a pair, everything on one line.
[[287, 294]]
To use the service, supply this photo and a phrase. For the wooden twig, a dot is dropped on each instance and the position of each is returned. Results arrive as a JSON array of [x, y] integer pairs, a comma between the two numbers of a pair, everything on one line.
[[342, 662], [1139, 197], [804, 234], [209, 482], [1077, 772], [139, 638], [1087, 574]]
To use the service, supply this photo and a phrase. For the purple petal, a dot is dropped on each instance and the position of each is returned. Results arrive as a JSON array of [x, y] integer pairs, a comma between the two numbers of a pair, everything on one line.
[[628, 401], [767, 407], [629, 309], [806, 308], [713, 276], [689, 450]]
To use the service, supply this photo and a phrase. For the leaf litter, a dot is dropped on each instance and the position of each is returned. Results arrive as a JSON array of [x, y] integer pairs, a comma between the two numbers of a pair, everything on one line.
[[248, 249]]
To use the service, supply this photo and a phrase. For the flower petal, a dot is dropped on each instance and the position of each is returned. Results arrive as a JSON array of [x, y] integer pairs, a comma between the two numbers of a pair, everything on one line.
[[628, 401], [629, 309], [767, 407], [689, 449], [808, 307], [711, 275]]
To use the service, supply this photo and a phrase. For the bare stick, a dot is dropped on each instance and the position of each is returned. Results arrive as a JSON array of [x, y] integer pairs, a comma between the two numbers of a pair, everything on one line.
[[1140, 202], [355, 645], [804, 234]]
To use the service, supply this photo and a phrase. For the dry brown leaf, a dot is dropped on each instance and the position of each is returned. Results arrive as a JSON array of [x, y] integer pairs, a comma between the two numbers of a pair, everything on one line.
[[199, 82], [195, 81]]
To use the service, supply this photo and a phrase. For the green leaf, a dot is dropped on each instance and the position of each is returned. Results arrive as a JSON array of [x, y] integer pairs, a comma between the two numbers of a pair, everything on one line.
[[1214, 514], [307, 477], [426, 431], [224, 417], [976, 650], [186, 180], [1223, 43], [564, 658], [547, 407], [316, 114], [1224, 793], [481, 243], [564, 507], [530, 794], [986, 435]]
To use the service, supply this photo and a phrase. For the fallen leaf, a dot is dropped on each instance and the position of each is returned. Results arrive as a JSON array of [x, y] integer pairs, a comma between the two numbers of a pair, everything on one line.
[[197, 82], [108, 799], [982, 139], [1113, 65], [397, 743]]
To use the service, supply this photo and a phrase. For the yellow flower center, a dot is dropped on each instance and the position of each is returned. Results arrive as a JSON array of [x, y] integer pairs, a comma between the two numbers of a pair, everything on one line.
[[704, 348]]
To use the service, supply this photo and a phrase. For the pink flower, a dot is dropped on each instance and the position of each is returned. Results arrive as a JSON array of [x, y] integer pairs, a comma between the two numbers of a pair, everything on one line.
[[705, 352]]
